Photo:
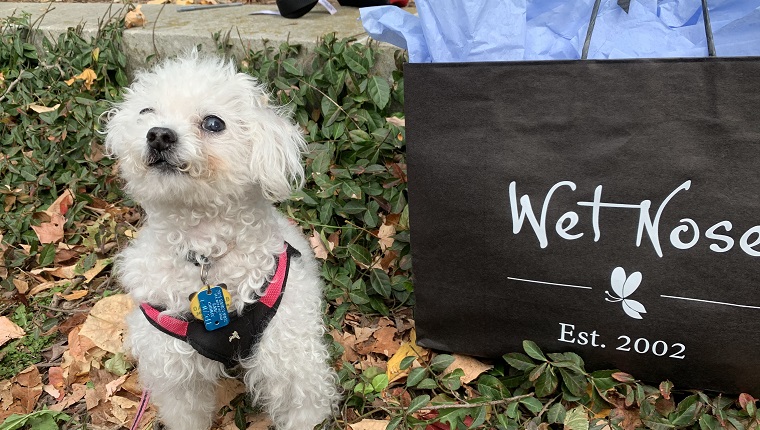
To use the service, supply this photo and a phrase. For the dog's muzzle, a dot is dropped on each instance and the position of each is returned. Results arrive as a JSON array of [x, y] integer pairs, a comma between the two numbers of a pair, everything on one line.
[[162, 143]]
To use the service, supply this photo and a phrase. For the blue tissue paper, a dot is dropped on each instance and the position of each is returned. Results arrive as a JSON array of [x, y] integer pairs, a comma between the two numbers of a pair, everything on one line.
[[515, 30]]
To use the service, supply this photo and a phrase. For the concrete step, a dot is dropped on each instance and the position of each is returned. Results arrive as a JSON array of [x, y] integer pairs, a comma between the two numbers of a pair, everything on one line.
[[168, 31]]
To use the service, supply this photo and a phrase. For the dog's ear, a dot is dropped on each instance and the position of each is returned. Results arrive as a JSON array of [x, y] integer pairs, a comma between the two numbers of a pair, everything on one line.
[[278, 146]]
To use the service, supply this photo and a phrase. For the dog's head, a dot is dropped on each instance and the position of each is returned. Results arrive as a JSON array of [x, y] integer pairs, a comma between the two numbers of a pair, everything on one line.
[[194, 130]]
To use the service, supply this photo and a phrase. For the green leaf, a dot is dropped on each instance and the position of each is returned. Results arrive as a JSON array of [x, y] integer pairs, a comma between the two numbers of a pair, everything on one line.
[[381, 283], [117, 364], [576, 419], [380, 382], [379, 91], [546, 384], [441, 362], [417, 403], [394, 422], [537, 372], [292, 67], [533, 350], [533, 404], [47, 255], [406, 362], [576, 383], [453, 380], [687, 412], [360, 254], [427, 384], [416, 376], [708, 422], [556, 414], [355, 61], [519, 361]]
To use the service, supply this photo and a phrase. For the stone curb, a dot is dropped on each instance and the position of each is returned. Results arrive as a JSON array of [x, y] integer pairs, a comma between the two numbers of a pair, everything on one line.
[[169, 31]]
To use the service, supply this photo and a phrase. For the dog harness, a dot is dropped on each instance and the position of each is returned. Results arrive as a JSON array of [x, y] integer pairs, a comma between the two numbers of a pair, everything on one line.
[[228, 344]]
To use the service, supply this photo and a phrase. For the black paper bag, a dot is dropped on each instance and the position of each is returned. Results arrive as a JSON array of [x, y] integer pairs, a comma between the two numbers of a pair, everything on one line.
[[609, 208]]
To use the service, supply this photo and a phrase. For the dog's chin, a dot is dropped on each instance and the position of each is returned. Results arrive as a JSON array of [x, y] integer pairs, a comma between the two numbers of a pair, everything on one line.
[[165, 167]]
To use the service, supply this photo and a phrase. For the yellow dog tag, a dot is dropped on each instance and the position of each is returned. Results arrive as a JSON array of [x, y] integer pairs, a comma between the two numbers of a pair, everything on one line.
[[195, 305]]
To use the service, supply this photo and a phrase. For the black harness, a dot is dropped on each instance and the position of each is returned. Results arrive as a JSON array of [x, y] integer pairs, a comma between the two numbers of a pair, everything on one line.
[[234, 341]]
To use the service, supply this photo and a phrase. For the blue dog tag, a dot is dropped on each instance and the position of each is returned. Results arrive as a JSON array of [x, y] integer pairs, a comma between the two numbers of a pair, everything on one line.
[[213, 308]]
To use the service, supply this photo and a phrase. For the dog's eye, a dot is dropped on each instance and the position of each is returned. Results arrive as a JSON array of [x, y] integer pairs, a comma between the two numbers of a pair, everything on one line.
[[146, 110], [213, 124]]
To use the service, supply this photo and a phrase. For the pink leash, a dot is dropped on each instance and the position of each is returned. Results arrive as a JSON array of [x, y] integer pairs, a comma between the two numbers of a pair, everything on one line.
[[141, 409]]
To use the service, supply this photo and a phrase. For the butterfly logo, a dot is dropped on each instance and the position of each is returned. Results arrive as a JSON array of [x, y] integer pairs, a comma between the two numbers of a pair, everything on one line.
[[624, 286]]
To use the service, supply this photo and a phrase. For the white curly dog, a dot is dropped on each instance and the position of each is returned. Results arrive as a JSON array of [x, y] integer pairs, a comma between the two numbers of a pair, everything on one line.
[[205, 154]]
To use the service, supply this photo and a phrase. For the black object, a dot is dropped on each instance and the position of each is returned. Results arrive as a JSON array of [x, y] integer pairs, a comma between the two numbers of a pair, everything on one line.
[[295, 8], [531, 183], [232, 342]]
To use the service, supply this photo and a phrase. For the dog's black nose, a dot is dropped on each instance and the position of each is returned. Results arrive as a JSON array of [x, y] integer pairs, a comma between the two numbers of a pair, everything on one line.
[[161, 138]]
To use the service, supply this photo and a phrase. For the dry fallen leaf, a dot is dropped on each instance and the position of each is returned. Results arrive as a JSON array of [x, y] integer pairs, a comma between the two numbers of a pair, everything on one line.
[[134, 18], [43, 109], [77, 394], [369, 424], [317, 246], [88, 76], [114, 385], [407, 349], [27, 388], [96, 269], [472, 367], [400, 122], [228, 389], [348, 341], [21, 286], [385, 234], [9, 330], [105, 325], [51, 231], [76, 295]]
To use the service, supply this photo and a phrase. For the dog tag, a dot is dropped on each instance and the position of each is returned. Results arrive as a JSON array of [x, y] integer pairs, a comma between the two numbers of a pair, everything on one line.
[[211, 305], [195, 307]]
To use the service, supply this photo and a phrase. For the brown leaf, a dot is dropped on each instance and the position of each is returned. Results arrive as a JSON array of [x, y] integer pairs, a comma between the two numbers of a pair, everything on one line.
[[77, 394], [385, 342], [746, 399], [228, 389], [96, 269], [76, 295], [43, 109], [27, 388], [370, 424], [472, 367], [348, 341], [52, 231], [71, 322], [317, 246], [385, 234], [21, 286], [399, 122], [134, 18], [105, 325], [114, 385], [9, 330], [407, 349], [62, 204], [55, 378], [119, 410], [88, 76], [623, 377]]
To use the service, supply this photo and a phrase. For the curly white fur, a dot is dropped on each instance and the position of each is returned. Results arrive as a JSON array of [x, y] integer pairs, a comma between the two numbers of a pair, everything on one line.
[[212, 193]]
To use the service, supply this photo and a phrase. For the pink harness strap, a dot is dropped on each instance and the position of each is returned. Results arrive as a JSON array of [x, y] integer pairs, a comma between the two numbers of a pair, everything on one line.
[[141, 409], [178, 327]]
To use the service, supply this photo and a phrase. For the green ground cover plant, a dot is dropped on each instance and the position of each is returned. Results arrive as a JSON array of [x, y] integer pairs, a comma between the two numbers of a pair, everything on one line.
[[354, 210]]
